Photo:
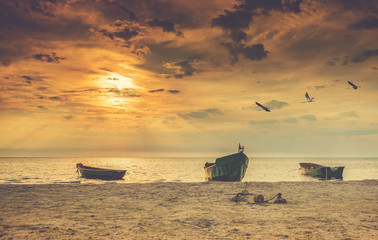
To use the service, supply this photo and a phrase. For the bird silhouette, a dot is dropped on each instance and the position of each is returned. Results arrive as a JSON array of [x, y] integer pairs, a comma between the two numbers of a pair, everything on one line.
[[353, 85], [308, 98], [263, 107]]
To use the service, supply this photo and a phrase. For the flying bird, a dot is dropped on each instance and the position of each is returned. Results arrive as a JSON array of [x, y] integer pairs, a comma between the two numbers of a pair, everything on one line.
[[352, 84], [308, 98], [263, 107]]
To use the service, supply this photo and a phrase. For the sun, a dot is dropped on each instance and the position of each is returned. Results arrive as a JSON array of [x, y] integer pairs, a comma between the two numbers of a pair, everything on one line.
[[116, 87], [115, 80]]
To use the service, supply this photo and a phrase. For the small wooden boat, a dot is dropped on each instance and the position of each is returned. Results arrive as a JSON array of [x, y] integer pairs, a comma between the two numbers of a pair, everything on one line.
[[320, 171], [99, 173], [228, 168]]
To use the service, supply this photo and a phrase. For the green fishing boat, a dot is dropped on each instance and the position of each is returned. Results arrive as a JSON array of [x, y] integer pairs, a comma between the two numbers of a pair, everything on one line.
[[228, 168], [100, 173], [320, 171]]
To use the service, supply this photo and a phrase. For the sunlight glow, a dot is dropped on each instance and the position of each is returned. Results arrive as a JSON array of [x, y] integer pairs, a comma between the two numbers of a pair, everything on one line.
[[115, 80], [117, 89]]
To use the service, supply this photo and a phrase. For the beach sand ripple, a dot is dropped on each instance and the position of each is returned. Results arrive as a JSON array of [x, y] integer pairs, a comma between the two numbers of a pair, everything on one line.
[[314, 210]]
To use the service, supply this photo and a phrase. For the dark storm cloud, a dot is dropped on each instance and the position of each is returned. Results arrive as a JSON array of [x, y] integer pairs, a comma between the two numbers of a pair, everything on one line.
[[360, 5], [255, 52], [168, 60], [115, 10], [184, 68], [20, 19], [234, 22], [370, 22], [126, 34], [364, 55], [166, 25], [107, 34], [48, 57], [201, 114], [20, 27], [44, 7]]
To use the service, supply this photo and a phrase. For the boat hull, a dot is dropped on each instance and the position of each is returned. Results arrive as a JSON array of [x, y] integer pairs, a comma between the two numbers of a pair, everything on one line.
[[320, 171], [332, 172], [229, 168], [100, 173]]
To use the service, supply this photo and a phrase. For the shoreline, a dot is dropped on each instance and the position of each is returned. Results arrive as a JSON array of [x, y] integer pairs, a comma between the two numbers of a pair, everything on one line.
[[202, 210]]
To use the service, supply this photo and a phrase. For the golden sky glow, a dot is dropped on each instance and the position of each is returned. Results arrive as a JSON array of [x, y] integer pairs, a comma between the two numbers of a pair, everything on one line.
[[181, 78]]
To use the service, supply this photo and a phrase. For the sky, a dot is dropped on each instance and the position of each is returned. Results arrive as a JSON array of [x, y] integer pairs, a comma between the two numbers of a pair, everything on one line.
[[154, 78]]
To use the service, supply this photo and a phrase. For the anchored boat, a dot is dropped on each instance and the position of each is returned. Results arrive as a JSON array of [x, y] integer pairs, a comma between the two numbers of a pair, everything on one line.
[[228, 168], [320, 171], [100, 173]]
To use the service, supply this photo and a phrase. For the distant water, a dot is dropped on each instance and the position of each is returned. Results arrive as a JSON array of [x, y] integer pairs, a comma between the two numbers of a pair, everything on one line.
[[147, 170]]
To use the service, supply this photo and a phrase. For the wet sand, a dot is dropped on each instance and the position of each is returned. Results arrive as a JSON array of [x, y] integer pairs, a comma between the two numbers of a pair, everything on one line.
[[314, 210]]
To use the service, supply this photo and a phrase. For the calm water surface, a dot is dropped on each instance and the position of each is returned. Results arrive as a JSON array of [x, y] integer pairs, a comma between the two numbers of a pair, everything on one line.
[[146, 170]]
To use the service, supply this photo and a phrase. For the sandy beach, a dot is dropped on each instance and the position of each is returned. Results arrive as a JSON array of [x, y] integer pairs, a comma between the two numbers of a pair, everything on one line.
[[314, 210]]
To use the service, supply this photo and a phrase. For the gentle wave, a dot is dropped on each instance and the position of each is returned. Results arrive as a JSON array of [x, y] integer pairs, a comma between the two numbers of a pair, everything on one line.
[[151, 170]]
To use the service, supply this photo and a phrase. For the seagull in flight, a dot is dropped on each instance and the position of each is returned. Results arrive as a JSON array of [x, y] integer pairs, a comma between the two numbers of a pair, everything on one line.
[[263, 107], [353, 85], [308, 98]]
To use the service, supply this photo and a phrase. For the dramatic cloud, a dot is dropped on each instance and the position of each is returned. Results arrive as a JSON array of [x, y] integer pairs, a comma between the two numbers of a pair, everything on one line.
[[364, 55], [174, 91], [48, 58], [167, 26], [162, 90], [126, 34], [157, 90], [255, 52], [182, 68], [125, 92], [172, 61], [56, 98], [370, 22], [154, 73], [235, 21]]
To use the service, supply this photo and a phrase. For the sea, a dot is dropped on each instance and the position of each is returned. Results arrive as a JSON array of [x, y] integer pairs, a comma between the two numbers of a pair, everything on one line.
[[53, 170]]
